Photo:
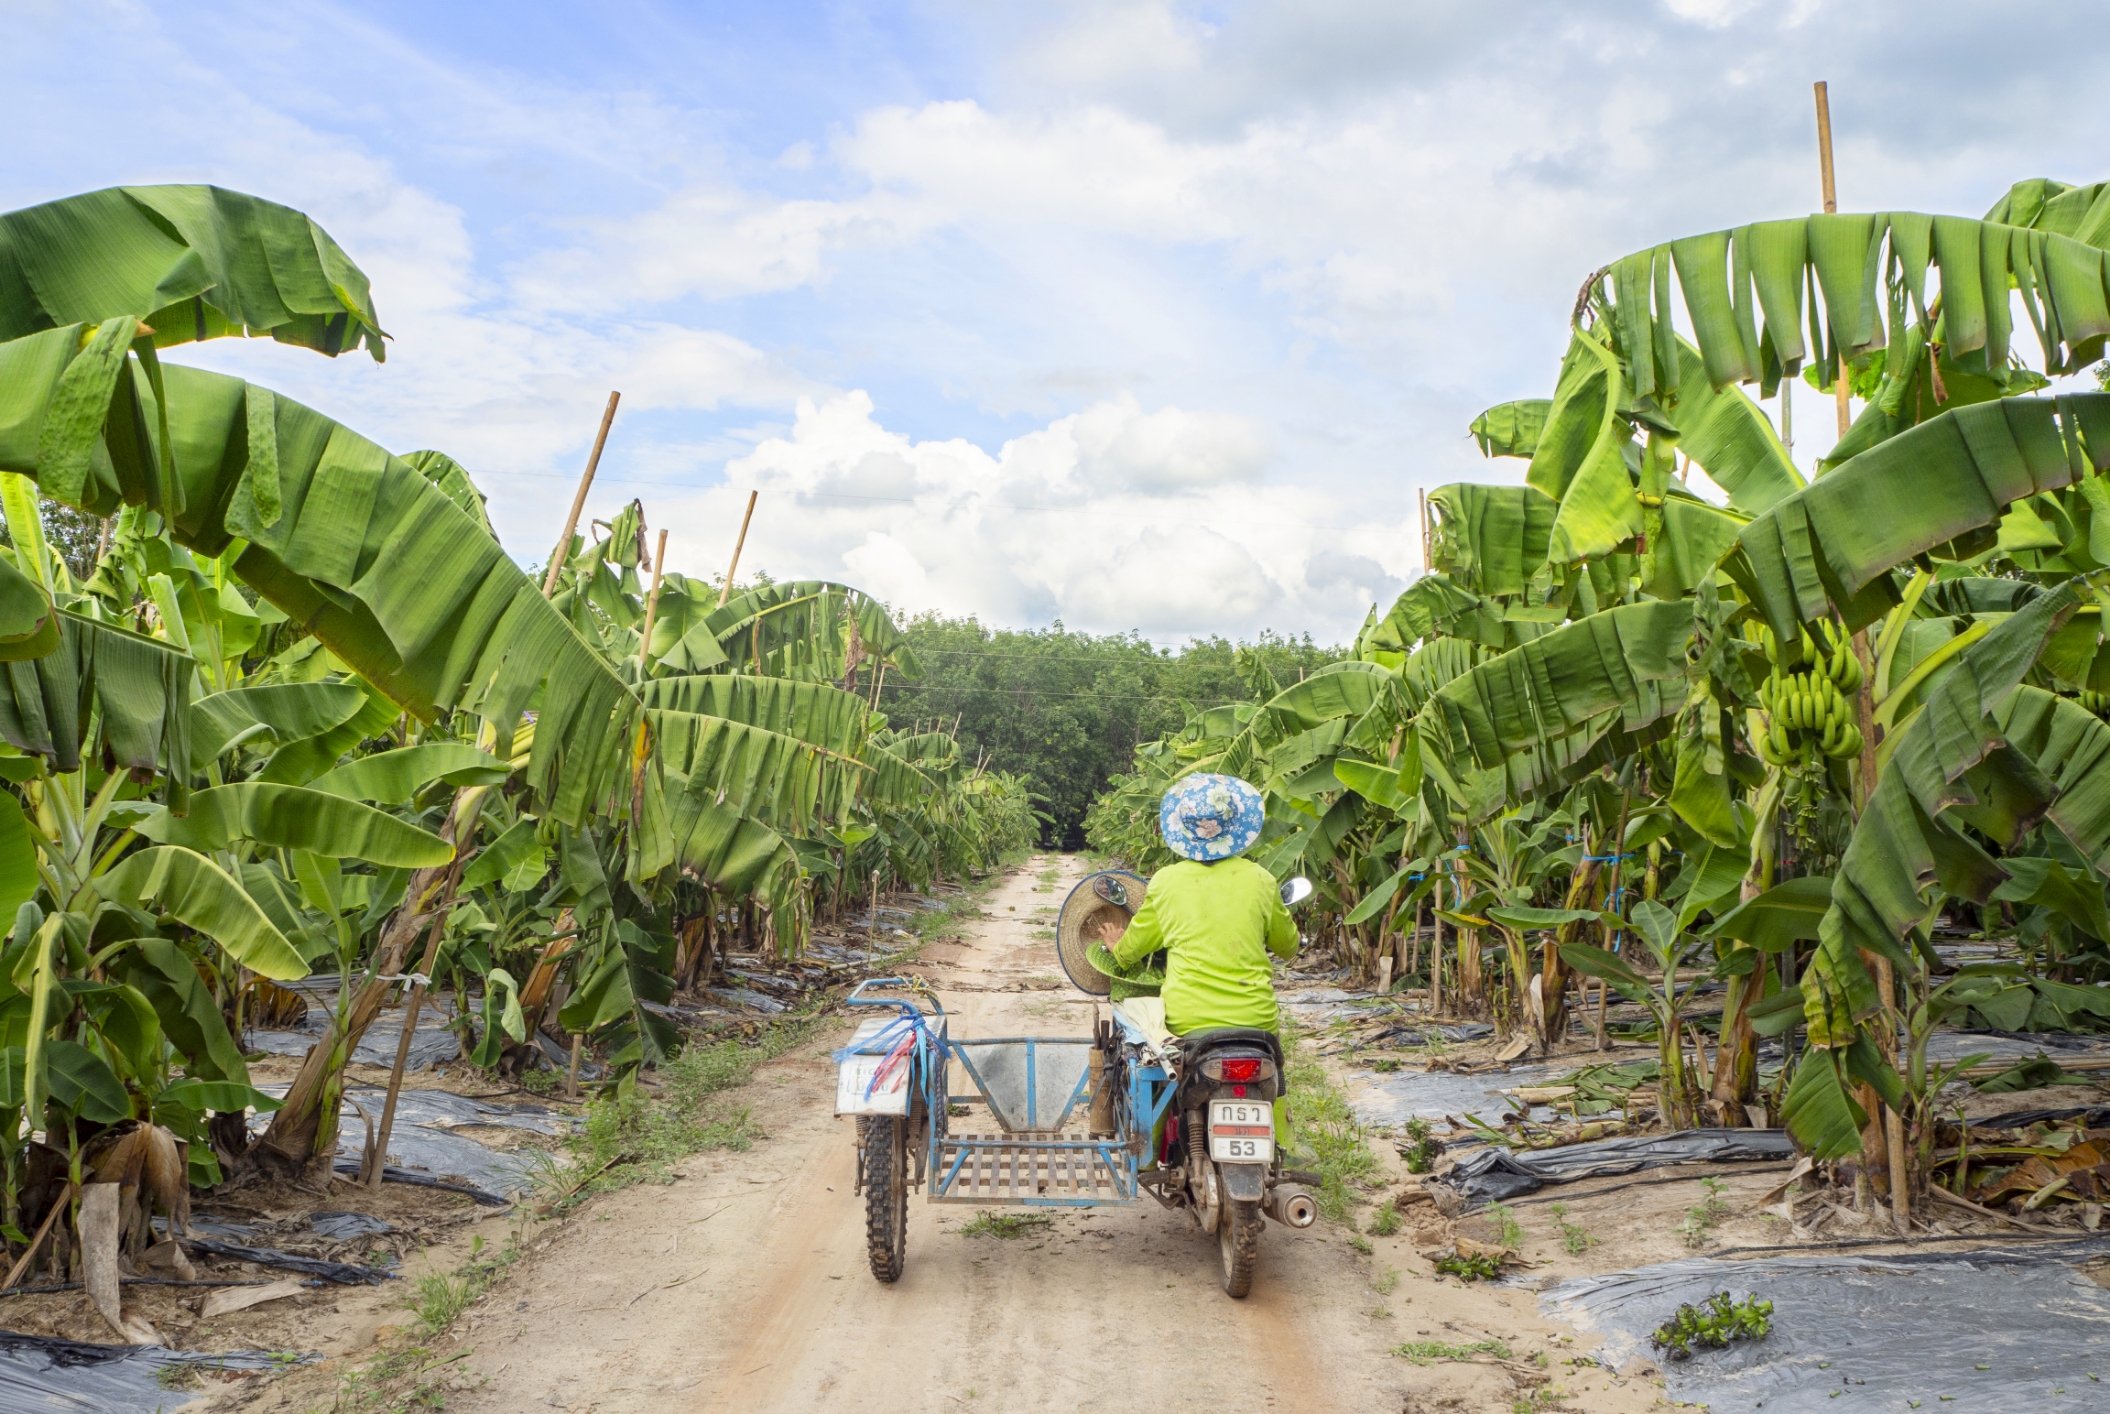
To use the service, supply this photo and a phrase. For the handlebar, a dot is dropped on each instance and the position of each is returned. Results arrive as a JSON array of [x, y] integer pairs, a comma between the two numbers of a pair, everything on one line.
[[858, 998]]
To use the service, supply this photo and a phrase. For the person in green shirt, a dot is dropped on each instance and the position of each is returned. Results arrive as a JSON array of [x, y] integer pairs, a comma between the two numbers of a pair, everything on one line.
[[1216, 916]]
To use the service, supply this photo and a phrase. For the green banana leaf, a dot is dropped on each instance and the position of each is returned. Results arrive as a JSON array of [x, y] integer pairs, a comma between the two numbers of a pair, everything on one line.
[[815, 713], [453, 481], [287, 712], [1511, 429], [778, 780], [296, 817], [357, 547], [190, 1015], [802, 629], [141, 687], [1922, 489], [1489, 539], [195, 262], [1615, 661], [395, 777], [196, 892]]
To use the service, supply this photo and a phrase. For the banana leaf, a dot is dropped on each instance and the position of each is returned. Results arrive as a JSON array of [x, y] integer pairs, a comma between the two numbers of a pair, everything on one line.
[[1511, 429], [778, 780], [1615, 661], [195, 262], [295, 817], [287, 712], [395, 777], [804, 629], [196, 892], [815, 713], [453, 481], [360, 549], [1489, 539], [141, 687], [1916, 492]]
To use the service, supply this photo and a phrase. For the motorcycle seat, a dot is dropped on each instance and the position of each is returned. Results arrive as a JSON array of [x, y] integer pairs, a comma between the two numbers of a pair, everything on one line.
[[1199, 1043]]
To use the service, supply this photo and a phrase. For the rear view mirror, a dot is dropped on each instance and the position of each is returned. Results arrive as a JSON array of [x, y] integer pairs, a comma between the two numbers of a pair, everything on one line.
[[1111, 889], [1295, 891]]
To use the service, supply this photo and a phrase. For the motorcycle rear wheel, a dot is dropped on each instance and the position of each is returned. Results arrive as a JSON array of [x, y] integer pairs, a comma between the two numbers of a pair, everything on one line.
[[1238, 1243]]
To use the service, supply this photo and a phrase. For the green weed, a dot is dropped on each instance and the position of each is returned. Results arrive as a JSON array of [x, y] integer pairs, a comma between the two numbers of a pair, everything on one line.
[[1701, 1218], [1009, 1226], [1713, 1324], [1360, 1243], [1428, 1352], [1508, 1231], [1575, 1238], [1326, 1133], [1470, 1268], [1383, 1283], [633, 1136], [1385, 1221], [439, 1298], [1421, 1149]]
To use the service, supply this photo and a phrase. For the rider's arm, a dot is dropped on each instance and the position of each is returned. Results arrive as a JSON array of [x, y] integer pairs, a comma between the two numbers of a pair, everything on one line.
[[1281, 929], [1145, 936]]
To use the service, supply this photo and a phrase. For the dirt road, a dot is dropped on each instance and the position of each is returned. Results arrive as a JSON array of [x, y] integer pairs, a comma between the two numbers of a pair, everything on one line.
[[743, 1286]]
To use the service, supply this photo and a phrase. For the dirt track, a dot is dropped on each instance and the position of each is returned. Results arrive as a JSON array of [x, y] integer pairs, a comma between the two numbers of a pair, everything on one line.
[[743, 1285]]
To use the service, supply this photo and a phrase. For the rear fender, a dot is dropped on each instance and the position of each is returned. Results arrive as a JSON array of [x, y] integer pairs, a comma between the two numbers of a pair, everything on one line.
[[1244, 1183]]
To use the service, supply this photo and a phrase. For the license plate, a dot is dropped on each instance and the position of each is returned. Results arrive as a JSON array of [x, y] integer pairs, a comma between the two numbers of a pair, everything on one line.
[[1241, 1131]]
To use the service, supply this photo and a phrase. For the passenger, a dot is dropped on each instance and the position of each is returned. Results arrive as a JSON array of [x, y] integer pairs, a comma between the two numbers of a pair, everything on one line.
[[1215, 915]]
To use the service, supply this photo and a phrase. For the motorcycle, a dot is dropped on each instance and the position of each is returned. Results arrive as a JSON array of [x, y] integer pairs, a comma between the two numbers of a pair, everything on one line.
[[1219, 1158]]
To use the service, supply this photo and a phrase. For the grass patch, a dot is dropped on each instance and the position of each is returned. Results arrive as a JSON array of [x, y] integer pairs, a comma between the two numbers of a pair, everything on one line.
[[1360, 1243], [1008, 1226], [1428, 1352], [1385, 1221], [1383, 1283], [1702, 1218], [1575, 1238], [632, 1136], [440, 1298], [1325, 1135]]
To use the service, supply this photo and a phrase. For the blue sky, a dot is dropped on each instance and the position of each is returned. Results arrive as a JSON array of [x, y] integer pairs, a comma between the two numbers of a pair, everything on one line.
[[1142, 315]]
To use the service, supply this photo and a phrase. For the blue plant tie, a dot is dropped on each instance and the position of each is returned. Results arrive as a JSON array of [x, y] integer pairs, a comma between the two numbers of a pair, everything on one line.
[[893, 1041]]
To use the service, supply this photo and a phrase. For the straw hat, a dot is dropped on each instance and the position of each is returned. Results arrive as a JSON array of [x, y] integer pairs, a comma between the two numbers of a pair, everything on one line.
[[1099, 906]]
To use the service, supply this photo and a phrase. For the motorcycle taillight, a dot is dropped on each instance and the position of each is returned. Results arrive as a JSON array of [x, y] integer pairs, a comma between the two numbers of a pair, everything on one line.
[[1244, 1068]]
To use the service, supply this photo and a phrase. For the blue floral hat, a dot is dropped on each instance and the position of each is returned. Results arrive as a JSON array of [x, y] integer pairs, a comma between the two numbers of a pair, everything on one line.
[[1207, 818]]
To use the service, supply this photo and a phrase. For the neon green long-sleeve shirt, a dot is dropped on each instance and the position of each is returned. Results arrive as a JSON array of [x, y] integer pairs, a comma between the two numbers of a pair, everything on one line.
[[1218, 923]]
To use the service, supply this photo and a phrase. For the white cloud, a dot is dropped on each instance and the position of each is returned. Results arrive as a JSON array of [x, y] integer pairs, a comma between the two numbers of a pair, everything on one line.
[[1111, 518]]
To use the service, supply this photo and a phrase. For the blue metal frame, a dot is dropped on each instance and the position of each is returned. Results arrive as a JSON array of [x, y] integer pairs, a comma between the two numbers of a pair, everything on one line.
[[1138, 1106]]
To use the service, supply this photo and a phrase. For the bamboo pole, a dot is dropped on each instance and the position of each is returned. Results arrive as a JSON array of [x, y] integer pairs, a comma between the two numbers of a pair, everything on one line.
[[644, 643], [1421, 500], [461, 825], [725, 592], [578, 502], [1892, 1123]]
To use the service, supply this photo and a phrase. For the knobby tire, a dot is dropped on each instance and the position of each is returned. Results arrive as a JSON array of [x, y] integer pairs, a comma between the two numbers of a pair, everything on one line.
[[1238, 1240], [885, 1142]]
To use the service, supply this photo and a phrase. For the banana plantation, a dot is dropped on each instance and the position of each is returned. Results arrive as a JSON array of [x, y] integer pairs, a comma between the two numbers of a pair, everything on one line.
[[1801, 769], [305, 716]]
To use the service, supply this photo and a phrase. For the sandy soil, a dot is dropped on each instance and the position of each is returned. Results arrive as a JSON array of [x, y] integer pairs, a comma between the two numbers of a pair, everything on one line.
[[743, 1284]]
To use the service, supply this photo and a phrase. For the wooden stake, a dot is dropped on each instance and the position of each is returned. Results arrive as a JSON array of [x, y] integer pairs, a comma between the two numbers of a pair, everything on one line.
[[578, 502], [726, 592], [1421, 499], [571, 1073], [1842, 377], [644, 644], [14, 1273], [459, 826]]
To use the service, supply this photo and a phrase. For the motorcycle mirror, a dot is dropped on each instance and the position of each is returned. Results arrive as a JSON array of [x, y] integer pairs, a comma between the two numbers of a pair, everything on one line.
[[1295, 891], [1110, 889]]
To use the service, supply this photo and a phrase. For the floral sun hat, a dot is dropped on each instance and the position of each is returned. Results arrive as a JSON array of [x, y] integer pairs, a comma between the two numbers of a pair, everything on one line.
[[1207, 818]]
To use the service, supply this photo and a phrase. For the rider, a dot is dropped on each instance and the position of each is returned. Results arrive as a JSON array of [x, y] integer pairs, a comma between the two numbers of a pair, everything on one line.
[[1216, 916]]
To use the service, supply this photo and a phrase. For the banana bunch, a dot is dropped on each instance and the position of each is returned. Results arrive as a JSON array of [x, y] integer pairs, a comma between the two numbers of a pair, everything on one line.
[[1810, 710], [2096, 702]]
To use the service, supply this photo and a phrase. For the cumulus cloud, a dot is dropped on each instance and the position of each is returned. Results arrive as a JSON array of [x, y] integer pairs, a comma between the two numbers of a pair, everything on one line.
[[1112, 518]]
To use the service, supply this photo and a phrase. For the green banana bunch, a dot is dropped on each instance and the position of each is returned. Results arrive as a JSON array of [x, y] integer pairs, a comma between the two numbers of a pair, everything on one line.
[[2096, 702], [1810, 711]]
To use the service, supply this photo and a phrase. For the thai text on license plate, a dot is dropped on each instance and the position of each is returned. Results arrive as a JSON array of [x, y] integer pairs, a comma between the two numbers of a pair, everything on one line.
[[1241, 1131]]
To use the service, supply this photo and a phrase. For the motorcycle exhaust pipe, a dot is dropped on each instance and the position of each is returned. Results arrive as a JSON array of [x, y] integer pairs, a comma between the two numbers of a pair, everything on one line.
[[1291, 1205]]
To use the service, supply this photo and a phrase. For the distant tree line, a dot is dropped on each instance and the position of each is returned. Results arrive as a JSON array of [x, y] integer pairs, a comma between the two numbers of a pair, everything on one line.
[[1065, 709]]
